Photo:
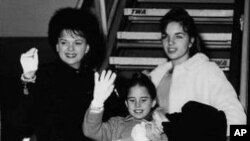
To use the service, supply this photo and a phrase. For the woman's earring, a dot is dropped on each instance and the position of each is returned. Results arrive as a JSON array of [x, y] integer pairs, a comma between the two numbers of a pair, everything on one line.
[[191, 43]]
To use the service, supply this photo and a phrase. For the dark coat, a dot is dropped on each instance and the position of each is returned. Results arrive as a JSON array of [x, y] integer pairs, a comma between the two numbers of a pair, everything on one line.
[[63, 96], [55, 107], [196, 122], [14, 119], [60, 97]]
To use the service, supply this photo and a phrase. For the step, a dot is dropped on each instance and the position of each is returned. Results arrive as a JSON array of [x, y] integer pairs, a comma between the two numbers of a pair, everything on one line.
[[197, 20], [185, 5], [136, 61], [190, 1], [153, 26], [153, 12], [147, 62], [158, 45], [124, 35]]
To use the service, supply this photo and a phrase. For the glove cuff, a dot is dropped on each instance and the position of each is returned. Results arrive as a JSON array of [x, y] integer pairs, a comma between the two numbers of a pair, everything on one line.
[[28, 80], [96, 104], [96, 107]]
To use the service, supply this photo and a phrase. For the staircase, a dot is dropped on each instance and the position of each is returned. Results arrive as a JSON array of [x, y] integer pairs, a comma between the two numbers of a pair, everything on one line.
[[138, 42]]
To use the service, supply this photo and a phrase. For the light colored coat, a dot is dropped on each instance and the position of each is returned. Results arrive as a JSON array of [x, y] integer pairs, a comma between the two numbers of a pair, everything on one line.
[[203, 81], [115, 129]]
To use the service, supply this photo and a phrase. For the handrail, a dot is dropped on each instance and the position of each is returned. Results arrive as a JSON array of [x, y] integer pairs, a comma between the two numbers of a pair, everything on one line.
[[245, 58], [112, 14], [113, 26], [79, 4], [190, 1], [106, 23], [103, 17]]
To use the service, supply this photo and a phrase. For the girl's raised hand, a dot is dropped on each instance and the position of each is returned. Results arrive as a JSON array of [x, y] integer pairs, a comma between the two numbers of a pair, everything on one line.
[[104, 85]]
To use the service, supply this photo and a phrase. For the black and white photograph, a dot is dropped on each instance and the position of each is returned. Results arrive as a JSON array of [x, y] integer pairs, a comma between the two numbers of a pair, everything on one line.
[[124, 70]]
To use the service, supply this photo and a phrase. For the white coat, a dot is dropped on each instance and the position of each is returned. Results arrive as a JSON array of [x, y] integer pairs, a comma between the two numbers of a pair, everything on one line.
[[203, 81]]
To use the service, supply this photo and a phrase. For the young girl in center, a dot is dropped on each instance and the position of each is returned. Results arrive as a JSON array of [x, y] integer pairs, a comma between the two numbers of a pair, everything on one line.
[[140, 101]]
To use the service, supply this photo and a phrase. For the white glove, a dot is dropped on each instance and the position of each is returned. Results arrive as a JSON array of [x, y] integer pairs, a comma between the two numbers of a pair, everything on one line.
[[138, 132], [104, 86], [159, 117], [29, 62], [152, 131]]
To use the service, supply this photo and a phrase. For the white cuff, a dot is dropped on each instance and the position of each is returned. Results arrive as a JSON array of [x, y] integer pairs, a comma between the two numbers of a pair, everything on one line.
[[28, 80], [96, 108], [96, 103]]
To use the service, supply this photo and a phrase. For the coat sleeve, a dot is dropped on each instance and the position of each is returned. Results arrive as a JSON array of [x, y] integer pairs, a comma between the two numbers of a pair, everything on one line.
[[223, 96], [94, 128]]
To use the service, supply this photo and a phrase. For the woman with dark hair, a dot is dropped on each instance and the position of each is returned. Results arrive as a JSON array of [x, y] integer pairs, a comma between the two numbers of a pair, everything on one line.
[[81, 23], [189, 75], [61, 91]]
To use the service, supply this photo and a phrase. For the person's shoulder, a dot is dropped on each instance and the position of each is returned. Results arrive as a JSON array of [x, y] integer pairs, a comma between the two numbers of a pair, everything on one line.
[[87, 74], [201, 66], [161, 68], [88, 70], [209, 66], [117, 120], [48, 66], [163, 65], [47, 71], [200, 62], [210, 71]]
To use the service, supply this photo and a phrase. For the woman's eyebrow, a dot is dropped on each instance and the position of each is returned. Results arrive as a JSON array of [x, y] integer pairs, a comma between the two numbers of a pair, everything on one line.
[[180, 33], [144, 97], [61, 38]]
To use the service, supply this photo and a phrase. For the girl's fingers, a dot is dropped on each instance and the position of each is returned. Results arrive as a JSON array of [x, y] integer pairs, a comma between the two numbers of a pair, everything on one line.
[[107, 77], [96, 77], [102, 75], [112, 78]]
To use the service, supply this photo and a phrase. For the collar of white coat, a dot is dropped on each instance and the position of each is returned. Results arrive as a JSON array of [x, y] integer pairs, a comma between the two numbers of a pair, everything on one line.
[[192, 63]]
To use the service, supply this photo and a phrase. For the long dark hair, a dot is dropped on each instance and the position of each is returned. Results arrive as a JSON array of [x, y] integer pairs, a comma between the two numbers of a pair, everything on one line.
[[181, 16]]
